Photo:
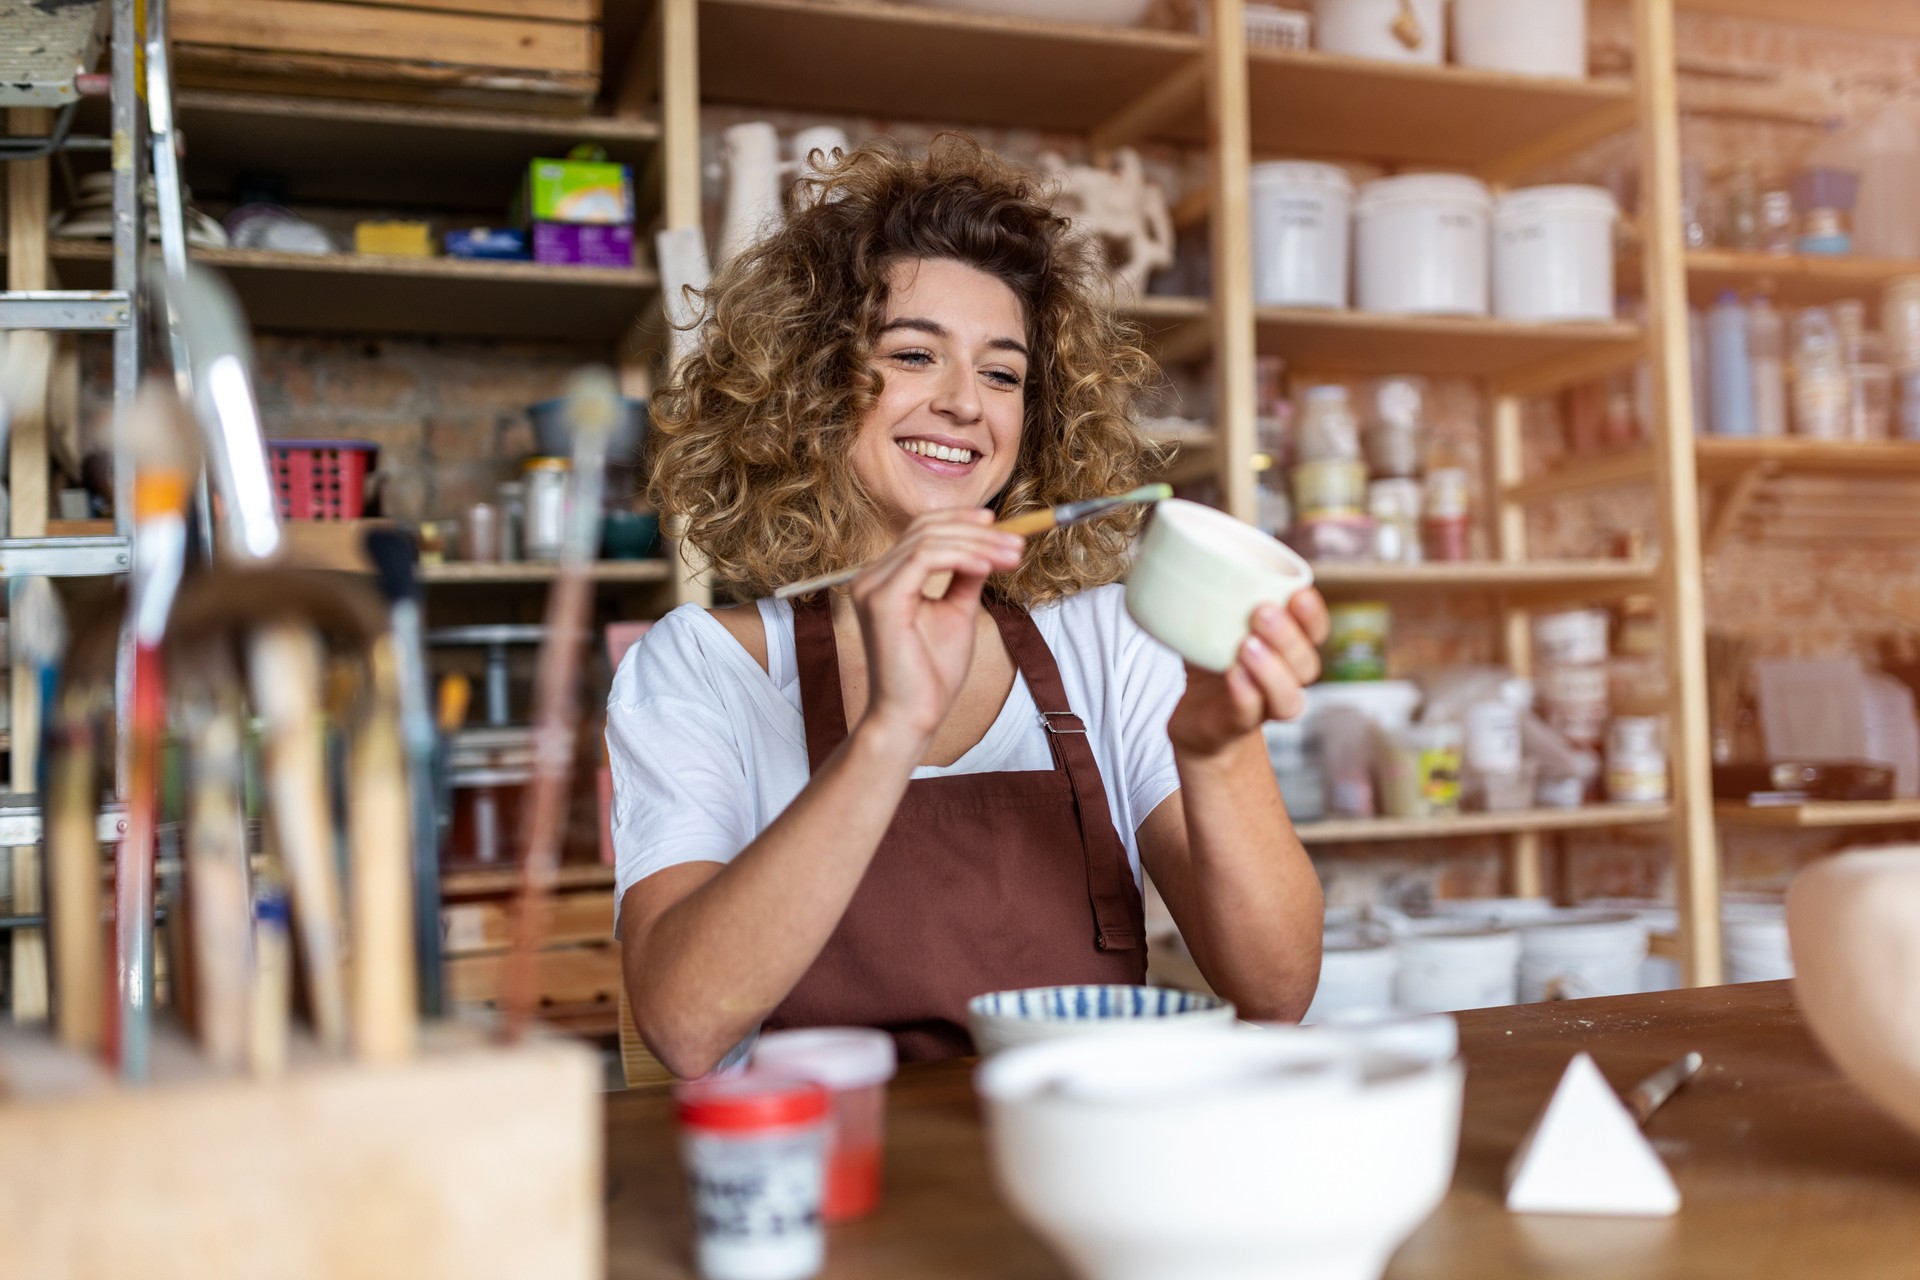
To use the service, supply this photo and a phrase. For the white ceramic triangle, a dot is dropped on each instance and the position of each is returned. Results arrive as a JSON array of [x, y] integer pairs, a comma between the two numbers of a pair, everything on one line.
[[1586, 1155]]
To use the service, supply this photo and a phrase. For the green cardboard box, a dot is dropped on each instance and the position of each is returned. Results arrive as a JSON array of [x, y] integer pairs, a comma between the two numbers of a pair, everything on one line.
[[596, 192]]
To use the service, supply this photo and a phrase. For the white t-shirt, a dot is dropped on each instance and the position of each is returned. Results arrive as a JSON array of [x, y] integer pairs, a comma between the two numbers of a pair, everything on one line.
[[707, 749]]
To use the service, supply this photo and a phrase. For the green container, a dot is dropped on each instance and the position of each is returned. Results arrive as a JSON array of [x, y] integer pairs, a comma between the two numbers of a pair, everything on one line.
[[1357, 645], [596, 192]]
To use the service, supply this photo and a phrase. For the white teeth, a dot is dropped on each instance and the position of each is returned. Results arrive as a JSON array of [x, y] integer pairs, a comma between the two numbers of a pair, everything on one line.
[[945, 453]]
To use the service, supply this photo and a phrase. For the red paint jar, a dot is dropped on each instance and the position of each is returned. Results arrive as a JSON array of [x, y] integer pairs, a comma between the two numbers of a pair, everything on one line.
[[854, 1063]]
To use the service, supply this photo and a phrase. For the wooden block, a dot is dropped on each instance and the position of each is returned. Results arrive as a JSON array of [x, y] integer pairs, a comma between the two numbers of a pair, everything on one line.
[[384, 32], [471, 1161]]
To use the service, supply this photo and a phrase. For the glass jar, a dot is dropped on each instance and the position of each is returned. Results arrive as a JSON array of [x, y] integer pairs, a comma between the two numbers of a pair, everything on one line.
[[546, 527], [1328, 431]]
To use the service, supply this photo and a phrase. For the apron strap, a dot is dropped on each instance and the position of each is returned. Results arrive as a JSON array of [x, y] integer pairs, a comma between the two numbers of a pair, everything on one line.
[[1117, 912]]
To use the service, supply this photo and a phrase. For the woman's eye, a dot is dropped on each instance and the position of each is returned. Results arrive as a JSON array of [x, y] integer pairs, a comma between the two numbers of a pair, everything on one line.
[[914, 359], [1005, 379]]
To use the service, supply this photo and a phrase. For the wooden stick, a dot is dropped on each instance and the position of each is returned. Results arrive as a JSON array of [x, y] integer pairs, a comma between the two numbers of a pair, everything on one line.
[[73, 862], [217, 887], [385, 1004], [285, 677]]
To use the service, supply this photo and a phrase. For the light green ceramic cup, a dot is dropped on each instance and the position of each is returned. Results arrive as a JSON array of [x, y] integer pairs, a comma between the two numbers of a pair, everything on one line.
[[1198, 576]]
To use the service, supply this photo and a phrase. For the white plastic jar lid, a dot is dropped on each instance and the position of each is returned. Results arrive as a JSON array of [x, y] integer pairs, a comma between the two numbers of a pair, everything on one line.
[[837, 1057], [1301, 173], [1533, 202], [1491, 943], [1423, 188]]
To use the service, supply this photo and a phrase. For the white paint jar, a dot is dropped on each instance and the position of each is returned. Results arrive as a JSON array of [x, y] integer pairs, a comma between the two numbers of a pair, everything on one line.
[[754, 1148], [1580, 955], [1526, 37], [1755, 944], [1421, 245], [1356, 972], [1493, 738], [1553, 253], [1365, 29], [1302, 217], [1572, 638], [1449, 968]]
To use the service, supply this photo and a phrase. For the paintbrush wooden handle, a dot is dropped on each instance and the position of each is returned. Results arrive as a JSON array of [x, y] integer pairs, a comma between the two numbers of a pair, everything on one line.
[[385, 1009], [221, 901], [285, 676]]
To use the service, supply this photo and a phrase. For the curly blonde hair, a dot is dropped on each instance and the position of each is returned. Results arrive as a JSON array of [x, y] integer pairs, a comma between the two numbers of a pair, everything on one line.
[[753, 436]]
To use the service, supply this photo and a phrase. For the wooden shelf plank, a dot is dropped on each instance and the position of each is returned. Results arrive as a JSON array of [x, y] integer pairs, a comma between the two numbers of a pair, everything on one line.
[[1884, 18], [538, 571], [860, 57], [386, 154], [1581, 474], [359, 293], [1721, 457], [480, 882], [1833, 813], [1520, 578], [1483, 824], [1317, 341], [1796, 281], [1310, 103]]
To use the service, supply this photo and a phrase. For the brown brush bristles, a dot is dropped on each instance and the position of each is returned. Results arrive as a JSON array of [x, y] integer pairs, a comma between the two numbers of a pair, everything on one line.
[[753, 437]]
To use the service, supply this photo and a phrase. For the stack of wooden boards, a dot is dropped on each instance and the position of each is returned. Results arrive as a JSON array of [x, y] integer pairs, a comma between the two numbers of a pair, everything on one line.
[[536, 54]]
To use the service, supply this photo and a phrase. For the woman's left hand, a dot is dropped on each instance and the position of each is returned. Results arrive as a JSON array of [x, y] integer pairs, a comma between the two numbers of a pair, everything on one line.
[[1266, 682]]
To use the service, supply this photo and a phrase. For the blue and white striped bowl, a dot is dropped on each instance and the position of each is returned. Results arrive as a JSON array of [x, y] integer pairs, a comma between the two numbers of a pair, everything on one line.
[[1001, 1019]]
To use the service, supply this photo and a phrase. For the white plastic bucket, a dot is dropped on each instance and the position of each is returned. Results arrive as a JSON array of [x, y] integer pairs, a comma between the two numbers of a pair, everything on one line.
[[1528, 37], [1494, 911], [1302, 218], [1571, 638], [1553, 253], [1421, 245], [1447, 969], [1356, 972], [1754, 943], [1364, 29], [1581, 954], [1657, 972]]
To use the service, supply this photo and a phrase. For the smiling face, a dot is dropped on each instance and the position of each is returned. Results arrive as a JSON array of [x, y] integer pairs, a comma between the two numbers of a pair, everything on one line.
[[952, 357]]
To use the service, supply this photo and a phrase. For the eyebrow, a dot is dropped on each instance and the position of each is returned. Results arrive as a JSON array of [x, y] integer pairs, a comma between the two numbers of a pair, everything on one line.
[[938, 330]]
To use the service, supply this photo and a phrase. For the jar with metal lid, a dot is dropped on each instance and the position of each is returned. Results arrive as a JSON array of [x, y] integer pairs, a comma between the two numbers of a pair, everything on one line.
[[546, 526]]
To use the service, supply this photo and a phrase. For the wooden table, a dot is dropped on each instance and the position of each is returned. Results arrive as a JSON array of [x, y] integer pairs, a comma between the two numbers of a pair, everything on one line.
[[1785, 1169]]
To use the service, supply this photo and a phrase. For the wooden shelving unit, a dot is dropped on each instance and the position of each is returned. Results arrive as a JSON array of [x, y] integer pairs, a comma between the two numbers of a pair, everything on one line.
[[536, 571], [1460, 826], [1820, 815], [1873, 17], [1475, 347], [1532, 582], [1793, 281]]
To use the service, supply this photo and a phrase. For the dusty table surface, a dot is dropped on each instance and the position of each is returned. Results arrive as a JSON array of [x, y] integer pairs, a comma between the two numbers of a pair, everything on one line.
[[1784, 1168]]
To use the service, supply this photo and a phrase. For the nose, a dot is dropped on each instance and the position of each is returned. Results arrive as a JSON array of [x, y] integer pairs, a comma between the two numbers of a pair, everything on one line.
[[957, 396]]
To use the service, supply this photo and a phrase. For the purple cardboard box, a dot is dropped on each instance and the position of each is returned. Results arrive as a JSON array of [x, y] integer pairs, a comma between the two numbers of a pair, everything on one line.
[[571, 244]]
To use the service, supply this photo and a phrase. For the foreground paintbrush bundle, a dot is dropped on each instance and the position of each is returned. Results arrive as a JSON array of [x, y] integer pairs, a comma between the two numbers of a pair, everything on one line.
[[254, 1068]]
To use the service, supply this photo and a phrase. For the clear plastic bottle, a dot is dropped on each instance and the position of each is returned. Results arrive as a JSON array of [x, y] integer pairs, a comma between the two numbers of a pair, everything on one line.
[[1730, 365], [1767, 349], [1822, 390], [1742, 229], [1328, 431]]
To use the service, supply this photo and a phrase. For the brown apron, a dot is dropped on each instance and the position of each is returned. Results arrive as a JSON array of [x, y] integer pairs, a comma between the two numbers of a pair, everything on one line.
[[984, 882]]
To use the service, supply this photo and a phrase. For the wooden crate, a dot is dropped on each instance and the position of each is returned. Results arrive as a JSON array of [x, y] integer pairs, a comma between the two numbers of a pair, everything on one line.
[[536, 54], [470, 1161]]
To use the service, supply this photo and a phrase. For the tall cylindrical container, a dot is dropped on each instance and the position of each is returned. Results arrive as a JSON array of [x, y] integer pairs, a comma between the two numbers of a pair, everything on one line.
[[1302, 214], [1553, 253], [1422, 245], [1527, 37], [1767, 349], [1730, 365]]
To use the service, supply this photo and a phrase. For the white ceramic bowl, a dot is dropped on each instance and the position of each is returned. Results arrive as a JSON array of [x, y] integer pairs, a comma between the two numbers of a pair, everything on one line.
[[1854, 923], [1235, 1154], [1002, 1019], [1105, 13], [1198, 576]]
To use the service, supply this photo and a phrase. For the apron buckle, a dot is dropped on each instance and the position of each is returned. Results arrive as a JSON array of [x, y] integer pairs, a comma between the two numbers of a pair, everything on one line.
[[1073, 723]]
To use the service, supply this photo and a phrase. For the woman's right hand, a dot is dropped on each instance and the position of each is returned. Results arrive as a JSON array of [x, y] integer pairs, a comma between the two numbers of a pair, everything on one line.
[[919, 650]]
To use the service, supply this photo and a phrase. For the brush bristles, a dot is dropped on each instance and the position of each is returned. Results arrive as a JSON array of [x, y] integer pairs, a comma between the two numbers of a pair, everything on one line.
[[39, 625]]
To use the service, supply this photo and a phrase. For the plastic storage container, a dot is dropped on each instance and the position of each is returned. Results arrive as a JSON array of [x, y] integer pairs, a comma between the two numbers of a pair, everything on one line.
[[1356, 972], [1636, 761], [1900, 323], [1324, 489], [1422, 244], [1328, 430], [1767, 350], [1573, 637], [854, 1064], [1527, 37], [1730, 366], [1822, 391], [1357, 642], [755, 1148], [1581, 955], [321, 479], [1302, 218], [1366, 29], [1446, 522], [1447, 968], [1755, 944], [1553, 252]]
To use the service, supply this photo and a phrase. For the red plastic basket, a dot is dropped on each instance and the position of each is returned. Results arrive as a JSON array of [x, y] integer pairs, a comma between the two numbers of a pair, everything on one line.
[[322, 479]]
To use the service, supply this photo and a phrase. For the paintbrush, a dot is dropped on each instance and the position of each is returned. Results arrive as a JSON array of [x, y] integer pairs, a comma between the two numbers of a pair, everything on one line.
[[394, 555], [219, 895], [1026, 525], [39, 636], [592, 409], [73, 859], [163, 475], [385, 994]]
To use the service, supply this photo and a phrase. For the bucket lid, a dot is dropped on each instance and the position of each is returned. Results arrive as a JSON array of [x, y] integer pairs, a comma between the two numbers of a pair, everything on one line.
[[1421, 187], [1531, 202], [837, 1057], [1579, 927], [1488, 942], [1301, 173], [749, 1102]]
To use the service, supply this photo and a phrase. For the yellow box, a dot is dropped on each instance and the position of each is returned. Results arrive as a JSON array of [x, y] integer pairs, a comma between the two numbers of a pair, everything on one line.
[[394, 239]]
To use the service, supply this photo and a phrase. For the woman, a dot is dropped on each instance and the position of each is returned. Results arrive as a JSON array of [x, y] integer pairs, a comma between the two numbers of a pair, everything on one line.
[[874, 805]]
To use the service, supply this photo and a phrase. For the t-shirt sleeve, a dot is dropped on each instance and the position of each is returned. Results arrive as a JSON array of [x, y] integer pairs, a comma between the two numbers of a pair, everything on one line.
[[678, 770], [1152, 680]]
